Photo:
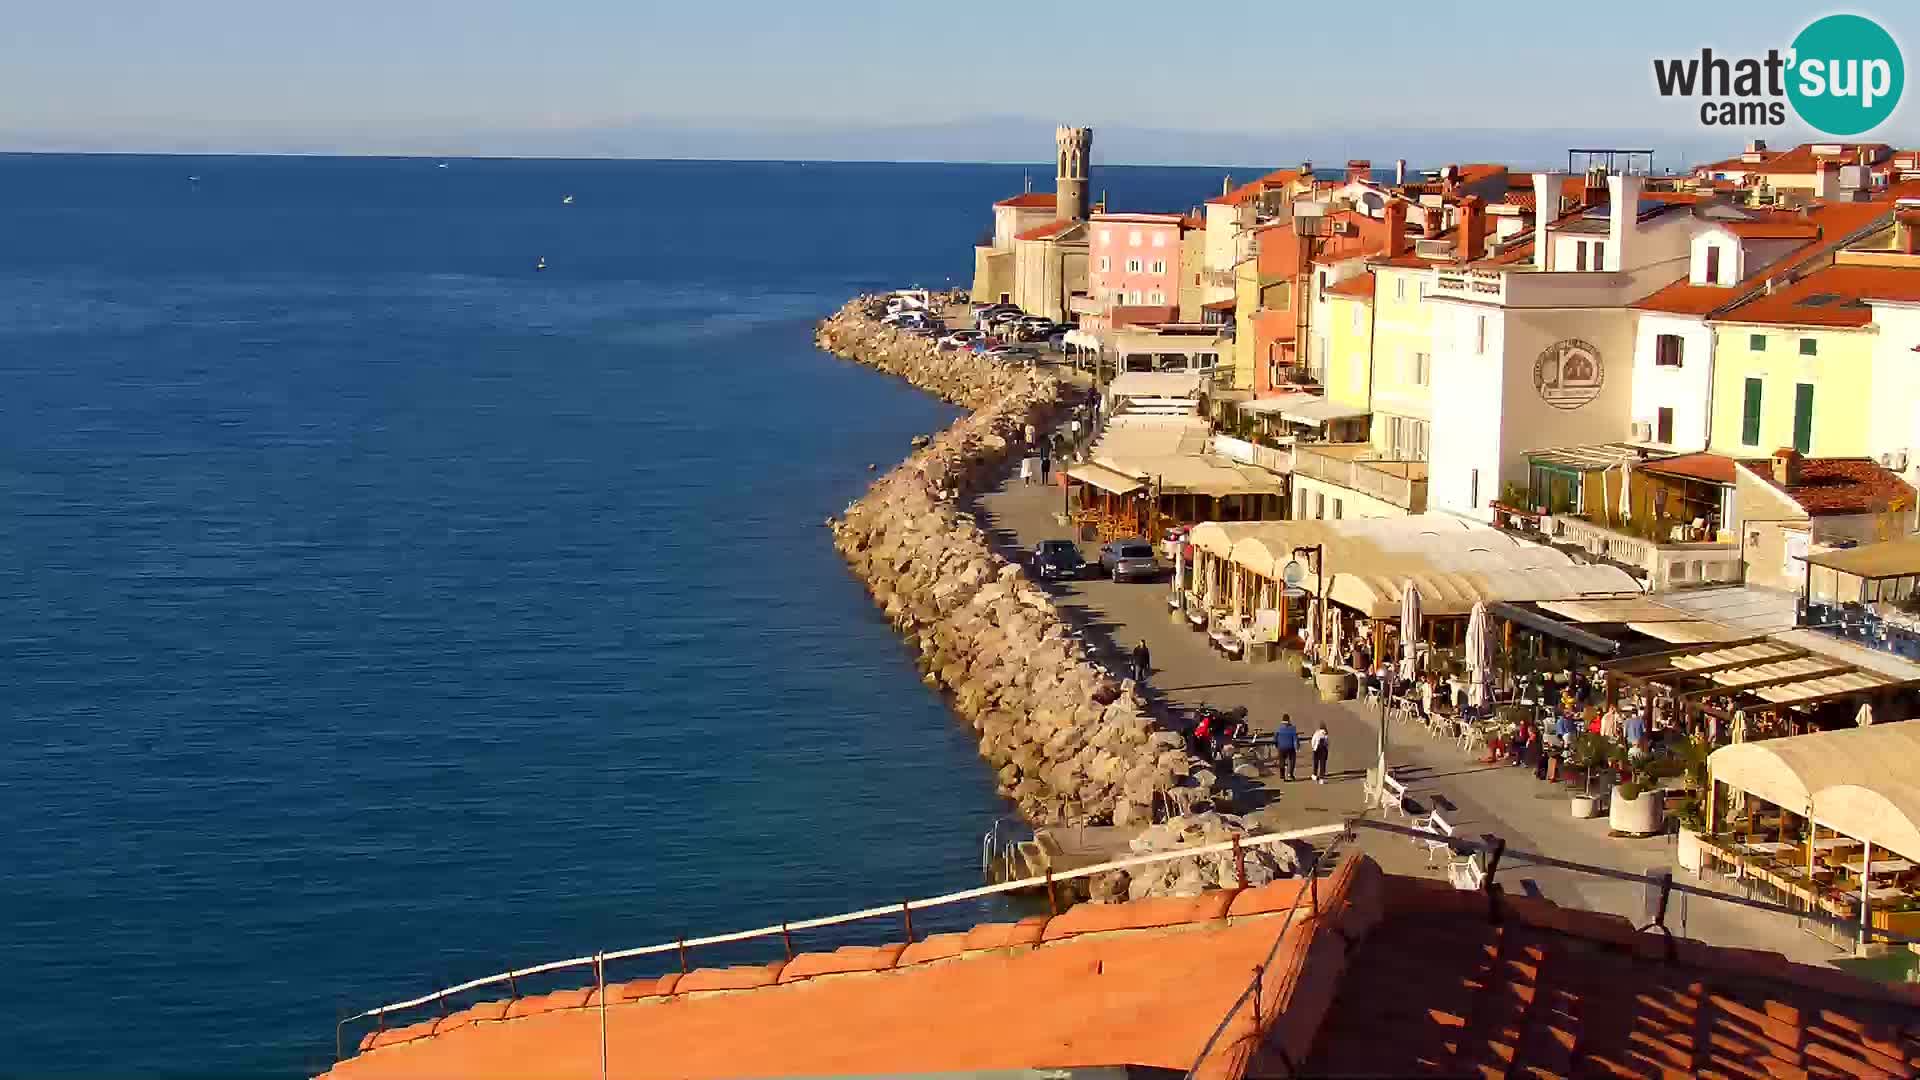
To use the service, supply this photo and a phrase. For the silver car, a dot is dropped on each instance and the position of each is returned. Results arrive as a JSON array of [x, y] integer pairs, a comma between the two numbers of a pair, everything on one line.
[[1129, 560]]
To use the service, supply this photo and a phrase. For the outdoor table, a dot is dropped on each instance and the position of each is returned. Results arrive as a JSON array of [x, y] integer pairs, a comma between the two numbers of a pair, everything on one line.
[[1886, 892], [1767, 847], [1835, 843], [1880, 866]]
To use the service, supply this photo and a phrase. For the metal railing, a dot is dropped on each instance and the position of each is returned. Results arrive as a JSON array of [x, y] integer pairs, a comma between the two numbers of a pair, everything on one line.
[[903, 910], [1360, 474]]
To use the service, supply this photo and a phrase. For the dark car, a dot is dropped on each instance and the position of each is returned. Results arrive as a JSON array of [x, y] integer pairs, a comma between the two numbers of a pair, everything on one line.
[[1057, 560], [1129, 560]]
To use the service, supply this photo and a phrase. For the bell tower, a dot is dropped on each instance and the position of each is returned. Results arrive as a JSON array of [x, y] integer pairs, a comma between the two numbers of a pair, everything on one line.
[[1073, 147]]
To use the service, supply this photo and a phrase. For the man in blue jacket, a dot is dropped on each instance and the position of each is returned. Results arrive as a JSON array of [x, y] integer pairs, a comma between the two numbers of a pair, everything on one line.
[[1287, 738]]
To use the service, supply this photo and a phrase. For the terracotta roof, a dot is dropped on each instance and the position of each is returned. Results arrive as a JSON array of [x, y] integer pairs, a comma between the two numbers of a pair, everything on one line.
[[1837, 295], [1255, 188], [1829, 222], [1480, 171], [1800, 159], [1032, 200], [1458, 979], [1440, 988], [1712, 468], [1358, 287], [1685, 298], [1040, 232], [1839, 485], [1772, 230], [1219, 305]]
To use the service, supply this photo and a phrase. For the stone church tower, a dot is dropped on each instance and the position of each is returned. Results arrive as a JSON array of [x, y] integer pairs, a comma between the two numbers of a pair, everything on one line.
[[1074, 149]]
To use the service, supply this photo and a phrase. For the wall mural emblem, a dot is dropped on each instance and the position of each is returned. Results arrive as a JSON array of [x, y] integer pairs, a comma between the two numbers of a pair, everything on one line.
[[1568, 374]]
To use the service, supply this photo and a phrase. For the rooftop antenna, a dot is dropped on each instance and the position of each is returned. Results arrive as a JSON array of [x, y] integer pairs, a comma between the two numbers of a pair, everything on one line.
[[1027, 179]]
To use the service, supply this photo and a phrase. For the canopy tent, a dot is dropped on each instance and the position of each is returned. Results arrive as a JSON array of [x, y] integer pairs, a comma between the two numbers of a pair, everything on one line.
[[1104, 478], [1774, 671], [1156, 384], [1856, 781], [1319, 411], [1895, 558], [1277, 404], [1080, 339], [1441, 594]]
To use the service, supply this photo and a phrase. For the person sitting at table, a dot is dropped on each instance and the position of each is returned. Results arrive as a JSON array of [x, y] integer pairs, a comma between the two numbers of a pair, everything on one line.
[[1522, 742]]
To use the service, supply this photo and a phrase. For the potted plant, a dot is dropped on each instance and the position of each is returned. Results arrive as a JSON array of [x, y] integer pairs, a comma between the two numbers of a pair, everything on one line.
[[1689, 760], [1591, 753], [1333, 684], [1638, 805]]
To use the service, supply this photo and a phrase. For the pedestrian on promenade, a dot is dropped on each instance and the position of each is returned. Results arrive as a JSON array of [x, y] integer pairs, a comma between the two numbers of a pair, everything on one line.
[[1319, 746], [1046, 464], [1142, 662], [1287, 739], [1030, 434], [1026, 470]]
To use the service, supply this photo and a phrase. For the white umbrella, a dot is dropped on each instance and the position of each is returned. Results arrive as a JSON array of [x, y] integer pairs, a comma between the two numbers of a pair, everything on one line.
[[1865, 715], [1626, 502], [1409, 618], [1479, 654], [1739, 725], [1333, 636]]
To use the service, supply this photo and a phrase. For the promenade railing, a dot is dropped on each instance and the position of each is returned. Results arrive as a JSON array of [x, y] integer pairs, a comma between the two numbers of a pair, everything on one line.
[[681, 948]]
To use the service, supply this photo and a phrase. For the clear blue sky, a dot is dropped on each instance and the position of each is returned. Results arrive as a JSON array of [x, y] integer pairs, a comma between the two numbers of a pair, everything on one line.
[[379, 70]]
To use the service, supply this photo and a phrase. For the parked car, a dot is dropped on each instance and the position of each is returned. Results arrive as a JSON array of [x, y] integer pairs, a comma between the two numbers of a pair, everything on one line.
[[1011, 352], [960, 339], [1129, 560], [1057, 560]]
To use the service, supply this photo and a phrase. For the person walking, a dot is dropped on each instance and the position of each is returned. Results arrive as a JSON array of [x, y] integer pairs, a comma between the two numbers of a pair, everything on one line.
[[1287, 739], [1320, 748], [1046, 464], [1142, 662]]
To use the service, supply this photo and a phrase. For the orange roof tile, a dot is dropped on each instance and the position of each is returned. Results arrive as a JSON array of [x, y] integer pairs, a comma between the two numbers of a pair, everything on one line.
[[1832, 297], [1685, 298], [1041, 232], [1358, 287], [1538, 991], [1032, 200], [1839, 485], [1828, 223], [1772, 230], [1800, 159], [1712, 468], [1255, 188]]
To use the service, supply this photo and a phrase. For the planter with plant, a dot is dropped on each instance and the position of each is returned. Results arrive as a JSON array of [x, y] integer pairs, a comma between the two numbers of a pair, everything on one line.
[[1333, 684], [1591, 753], [1638, 806]]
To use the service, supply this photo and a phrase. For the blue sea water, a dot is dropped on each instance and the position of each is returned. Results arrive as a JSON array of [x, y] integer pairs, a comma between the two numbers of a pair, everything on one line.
[[377, 612]]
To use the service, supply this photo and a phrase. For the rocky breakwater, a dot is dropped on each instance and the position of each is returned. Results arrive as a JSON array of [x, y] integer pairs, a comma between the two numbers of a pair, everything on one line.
[[1070, 743]]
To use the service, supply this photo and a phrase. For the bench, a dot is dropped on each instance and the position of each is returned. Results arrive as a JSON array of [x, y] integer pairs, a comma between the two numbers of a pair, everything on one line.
[[1390, 796], [1441, 838], [1467, 874]]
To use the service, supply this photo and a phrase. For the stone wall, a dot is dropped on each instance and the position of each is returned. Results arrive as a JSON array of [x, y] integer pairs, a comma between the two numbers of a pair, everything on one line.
[[1070, 743]]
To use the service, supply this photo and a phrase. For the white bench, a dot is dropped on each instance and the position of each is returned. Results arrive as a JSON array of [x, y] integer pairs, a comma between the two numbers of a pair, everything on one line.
[[1442, 834], [1468, 874], [1390, 796]]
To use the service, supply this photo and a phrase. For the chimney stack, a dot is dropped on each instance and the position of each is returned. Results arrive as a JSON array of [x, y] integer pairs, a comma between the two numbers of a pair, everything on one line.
[[1623, 219], [1786, 467], [1470, 235], [1546, 207], [1226, 183], [1306, 171], [1906, 230], [1826, 186], [1359, 169], [1396, 227], [1399, 170]]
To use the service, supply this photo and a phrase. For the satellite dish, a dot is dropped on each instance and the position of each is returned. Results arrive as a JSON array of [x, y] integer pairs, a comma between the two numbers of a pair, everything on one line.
[[1293, 574]]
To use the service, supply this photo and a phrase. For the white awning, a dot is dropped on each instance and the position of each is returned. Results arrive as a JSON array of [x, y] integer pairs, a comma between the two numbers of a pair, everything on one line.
[[1080, 339], [1104, 478], [1319, 411], [1276, 404], [1855, 781], [1156, 384]]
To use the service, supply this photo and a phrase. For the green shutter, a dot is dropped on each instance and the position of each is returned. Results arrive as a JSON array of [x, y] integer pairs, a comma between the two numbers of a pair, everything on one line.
[[1803, 418], [1750, 420], [1757, 342]]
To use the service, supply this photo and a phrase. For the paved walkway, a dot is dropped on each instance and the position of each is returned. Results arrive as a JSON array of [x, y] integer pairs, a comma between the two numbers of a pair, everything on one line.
[[1479, 800]]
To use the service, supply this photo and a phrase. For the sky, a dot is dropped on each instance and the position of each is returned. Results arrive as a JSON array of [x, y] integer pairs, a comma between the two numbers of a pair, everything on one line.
[[642, 78]]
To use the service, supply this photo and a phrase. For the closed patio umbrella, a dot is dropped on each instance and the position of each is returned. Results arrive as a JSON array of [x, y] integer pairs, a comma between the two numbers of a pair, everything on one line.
[[1479, 654], [1865, 716], [1626, 489], [1409, 618]]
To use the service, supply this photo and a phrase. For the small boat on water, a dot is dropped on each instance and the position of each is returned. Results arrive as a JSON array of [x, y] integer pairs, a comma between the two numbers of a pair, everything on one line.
[[542, 264], [442, 165], [568, 201]]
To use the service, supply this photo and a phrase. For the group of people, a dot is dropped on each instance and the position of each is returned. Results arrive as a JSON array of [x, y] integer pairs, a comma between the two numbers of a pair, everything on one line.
[[1214, 732], [1286, 738]]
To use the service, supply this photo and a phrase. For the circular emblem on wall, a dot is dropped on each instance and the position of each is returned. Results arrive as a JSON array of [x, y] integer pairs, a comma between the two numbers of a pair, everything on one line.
[[1568, 374]]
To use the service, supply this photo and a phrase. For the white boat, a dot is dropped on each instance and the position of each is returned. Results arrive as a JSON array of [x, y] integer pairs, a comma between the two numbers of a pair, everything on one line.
[[568, 200], [542, 264]]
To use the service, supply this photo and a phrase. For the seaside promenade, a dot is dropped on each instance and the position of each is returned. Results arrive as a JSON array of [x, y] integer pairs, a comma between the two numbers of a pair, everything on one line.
[[1479, 800]]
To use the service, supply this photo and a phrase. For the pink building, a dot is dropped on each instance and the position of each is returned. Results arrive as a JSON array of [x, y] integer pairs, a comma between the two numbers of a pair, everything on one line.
[[1134, 261]]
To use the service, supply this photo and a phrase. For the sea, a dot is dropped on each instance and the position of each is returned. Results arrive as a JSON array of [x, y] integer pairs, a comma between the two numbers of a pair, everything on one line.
[[380, 611]]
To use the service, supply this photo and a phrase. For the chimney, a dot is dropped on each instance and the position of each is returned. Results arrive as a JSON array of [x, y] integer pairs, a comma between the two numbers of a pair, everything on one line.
[[1306, 170], [1546, 207], [1826, 182], [1623, 218], [1786, 467], [1359, 169], [1396, 227], [1906, 230], [1226, 183], [1470, 235], [1399, 171]]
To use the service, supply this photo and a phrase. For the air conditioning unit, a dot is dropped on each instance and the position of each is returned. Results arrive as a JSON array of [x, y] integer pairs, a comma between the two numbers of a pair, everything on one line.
[[1895, 460], [1642, 432], [1345, 228]]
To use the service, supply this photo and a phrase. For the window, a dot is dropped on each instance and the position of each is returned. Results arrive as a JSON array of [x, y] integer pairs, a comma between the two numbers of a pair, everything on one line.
[[1750, 415], [1336, 509], [1803, 418], [1319, 505], [1480, 340], [1666, 350], [1133, 266], [1712, 275], [1809, 347], [1134, 297], [1473, 490], [1580, 255], [1399, 288], [1105, 234], [1159, 266], [1105, 264], [1663, 427], [1422, 369], [1159, 239], [1156, 297], [1599, 254], [1133, 238], [1320, 293], [1757, 342], [1356, 316]]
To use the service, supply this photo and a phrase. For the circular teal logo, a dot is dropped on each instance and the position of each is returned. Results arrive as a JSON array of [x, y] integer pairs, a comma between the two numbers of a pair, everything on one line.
[[1847, 74]]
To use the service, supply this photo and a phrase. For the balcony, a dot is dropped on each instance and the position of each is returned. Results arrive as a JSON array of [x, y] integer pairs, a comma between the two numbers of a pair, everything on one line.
[[1659, 565], [1486, 285], [1398, 483], [1272, 459]]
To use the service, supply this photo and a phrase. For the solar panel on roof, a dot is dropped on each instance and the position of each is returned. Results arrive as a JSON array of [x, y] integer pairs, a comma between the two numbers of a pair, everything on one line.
[[1819, 299], [1856, 302]]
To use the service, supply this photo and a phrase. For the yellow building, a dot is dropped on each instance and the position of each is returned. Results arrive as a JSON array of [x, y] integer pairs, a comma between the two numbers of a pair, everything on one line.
[[1246, 301], [1400, 376], [1795, 368], [1349, 329]]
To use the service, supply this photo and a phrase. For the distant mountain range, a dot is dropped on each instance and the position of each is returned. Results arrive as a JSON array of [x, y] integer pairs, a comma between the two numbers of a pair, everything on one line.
[[993, 139]]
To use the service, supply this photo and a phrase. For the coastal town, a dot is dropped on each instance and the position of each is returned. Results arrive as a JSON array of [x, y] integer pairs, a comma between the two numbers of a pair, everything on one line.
[[1443, 621]]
